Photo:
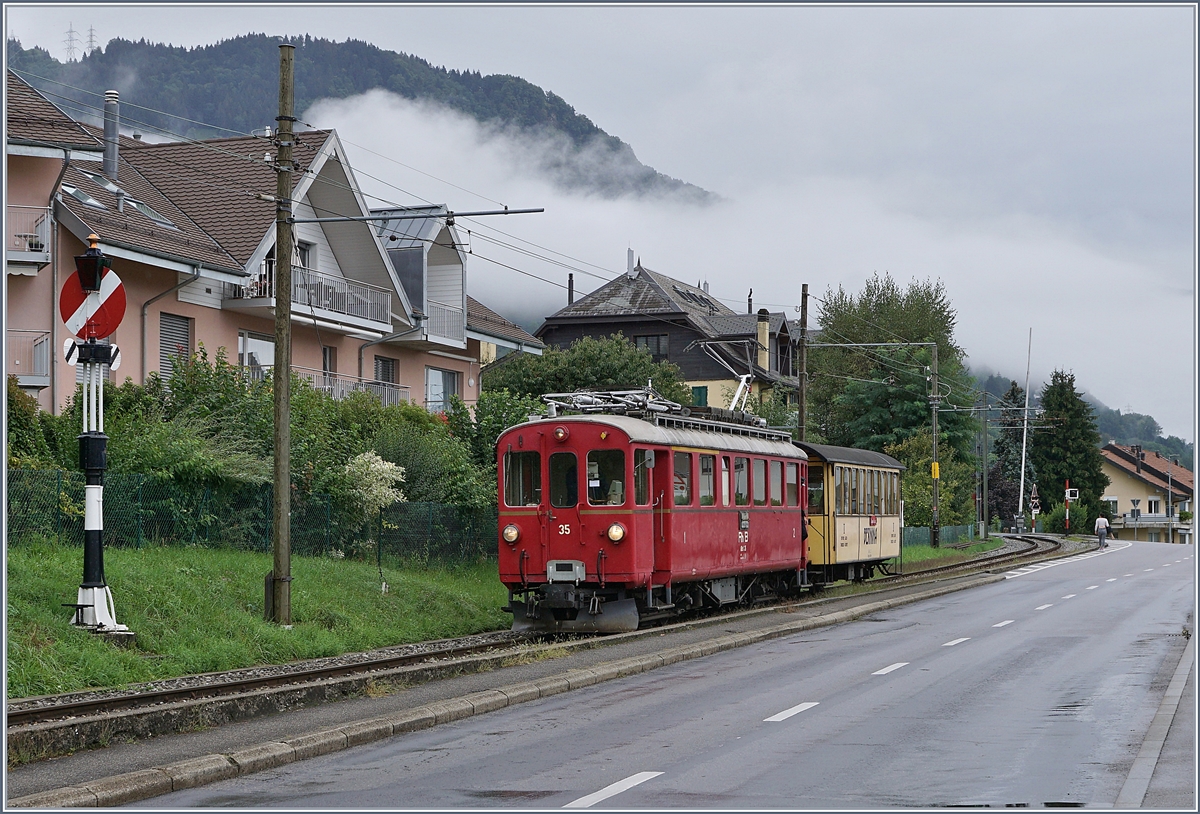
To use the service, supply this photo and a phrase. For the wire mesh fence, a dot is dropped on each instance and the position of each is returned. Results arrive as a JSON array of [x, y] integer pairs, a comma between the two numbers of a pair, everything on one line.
[[142, 511], [947, 535]]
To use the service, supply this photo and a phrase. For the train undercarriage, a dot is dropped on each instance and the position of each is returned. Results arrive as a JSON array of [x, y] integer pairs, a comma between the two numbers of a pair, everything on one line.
[[565, 607]]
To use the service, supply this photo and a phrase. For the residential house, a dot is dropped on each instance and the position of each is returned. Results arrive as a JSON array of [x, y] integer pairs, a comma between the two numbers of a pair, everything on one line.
[[1146, 493], [190, 230], [713, 345]]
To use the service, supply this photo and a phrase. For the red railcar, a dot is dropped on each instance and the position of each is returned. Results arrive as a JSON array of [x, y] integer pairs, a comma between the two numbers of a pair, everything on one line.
[[607, 520]]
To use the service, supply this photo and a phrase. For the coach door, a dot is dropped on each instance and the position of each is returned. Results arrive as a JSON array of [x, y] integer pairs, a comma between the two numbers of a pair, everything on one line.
[[660, 501]]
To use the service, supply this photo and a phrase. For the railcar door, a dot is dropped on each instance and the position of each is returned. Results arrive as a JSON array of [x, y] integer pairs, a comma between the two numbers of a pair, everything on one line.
[[660, 483], [563, 532]]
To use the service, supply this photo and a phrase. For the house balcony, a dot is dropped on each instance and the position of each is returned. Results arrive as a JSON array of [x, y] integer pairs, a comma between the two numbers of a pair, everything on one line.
[[339, 386], [342, 303], [446, 322], [29, 358], [27, 236]]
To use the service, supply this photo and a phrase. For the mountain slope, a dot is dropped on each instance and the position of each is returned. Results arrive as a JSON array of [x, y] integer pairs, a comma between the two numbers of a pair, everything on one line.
[[234, 84]]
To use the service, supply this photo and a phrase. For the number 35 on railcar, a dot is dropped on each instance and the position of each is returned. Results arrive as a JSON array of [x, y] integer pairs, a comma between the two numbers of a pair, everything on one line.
[[608, 520], [855, 512]]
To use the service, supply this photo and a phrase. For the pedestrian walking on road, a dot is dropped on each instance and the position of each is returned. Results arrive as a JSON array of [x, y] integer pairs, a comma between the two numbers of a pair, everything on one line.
[[1102, 530]]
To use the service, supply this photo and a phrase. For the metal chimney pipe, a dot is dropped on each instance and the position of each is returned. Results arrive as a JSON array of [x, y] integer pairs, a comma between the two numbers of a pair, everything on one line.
[[570, 289], [750, 302], [629, 263], [111, 133]]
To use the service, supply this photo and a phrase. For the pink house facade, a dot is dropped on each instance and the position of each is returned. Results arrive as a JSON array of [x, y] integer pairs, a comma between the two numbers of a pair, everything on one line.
[[189, 229]]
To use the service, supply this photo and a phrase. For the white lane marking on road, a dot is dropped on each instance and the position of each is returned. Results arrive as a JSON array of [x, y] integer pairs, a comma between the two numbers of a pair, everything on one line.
[[1144, 570], [1166, 565], [1005, 622], [1129, 575], [889, 668], [788, 713], [1092, 587], [1069, 596], [1043, 607], [615, 788], [1031, 569], [1113, 579], [957, 641]]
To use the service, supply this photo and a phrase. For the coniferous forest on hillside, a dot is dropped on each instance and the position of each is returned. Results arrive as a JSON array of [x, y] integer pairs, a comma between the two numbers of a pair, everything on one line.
[[234, 86]]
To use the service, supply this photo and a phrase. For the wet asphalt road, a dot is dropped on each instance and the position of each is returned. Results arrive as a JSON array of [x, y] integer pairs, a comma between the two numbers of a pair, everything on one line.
[[1035, 690]]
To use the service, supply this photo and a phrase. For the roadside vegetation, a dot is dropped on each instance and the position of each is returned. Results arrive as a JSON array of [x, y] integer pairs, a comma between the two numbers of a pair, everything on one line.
[[198, 610]]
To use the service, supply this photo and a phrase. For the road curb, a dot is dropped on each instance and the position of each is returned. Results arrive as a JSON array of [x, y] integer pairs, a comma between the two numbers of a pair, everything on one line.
[[147, 783]]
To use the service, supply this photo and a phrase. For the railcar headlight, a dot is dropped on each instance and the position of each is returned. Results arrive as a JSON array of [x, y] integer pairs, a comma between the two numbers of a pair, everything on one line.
[[616, 532], [560, 433], [511, 534]]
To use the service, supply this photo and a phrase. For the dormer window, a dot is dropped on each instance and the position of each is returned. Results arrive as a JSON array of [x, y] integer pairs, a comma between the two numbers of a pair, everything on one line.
[[101, 181], [83, 197], [150, 213]]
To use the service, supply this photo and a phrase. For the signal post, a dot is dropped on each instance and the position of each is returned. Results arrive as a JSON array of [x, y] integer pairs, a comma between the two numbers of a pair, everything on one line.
[[92, 304]]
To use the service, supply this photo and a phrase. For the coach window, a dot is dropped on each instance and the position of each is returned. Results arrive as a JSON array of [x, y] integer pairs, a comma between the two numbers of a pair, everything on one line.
[[683, 479], [606, 477], [853, 490], [522, 478], [837, 489], [708, 495], [877, 477], [741, 481], [760, 482], [641, 477], [564, 480], [816, 489], [776, 483], [793, 484], [725, 490]]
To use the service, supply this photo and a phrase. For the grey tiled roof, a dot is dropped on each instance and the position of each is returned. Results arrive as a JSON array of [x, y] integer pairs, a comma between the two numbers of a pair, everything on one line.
[[646, 293], [484, 320], [33, 119]]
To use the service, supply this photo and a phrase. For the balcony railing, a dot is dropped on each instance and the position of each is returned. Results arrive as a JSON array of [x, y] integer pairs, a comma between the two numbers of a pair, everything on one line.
[[28, 229], [447, 321], [312, 289], [339, 386], [29, 357]]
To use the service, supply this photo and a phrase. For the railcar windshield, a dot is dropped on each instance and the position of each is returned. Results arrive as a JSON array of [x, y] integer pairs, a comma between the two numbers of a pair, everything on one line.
[[564, 480], [606, 477], [522, 478]]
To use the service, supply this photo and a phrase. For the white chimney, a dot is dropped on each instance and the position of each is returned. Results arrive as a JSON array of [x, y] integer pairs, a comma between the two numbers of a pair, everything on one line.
[[629, 264]]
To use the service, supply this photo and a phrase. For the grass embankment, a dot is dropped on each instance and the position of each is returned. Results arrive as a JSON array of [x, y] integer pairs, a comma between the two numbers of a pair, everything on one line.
[[923, 556], [198, 610]]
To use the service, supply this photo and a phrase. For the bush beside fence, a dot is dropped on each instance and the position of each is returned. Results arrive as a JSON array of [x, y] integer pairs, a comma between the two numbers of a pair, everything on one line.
[[145, 511]]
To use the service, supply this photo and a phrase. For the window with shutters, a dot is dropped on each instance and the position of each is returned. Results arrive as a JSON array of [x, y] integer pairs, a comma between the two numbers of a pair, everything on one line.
[[174, 342], [385, 369]]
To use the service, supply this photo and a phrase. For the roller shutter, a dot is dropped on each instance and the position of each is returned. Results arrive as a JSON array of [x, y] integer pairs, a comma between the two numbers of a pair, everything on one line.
[[174, 339]]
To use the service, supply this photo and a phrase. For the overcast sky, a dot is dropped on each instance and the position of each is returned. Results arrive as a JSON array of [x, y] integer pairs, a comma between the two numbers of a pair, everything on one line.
[[1037, 160]]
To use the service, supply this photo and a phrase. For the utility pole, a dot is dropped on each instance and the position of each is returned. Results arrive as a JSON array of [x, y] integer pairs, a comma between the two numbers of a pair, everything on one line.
[[1025, 431], [802, 381], [985, 467], [1170, 506], [935, 532], [281, 509]]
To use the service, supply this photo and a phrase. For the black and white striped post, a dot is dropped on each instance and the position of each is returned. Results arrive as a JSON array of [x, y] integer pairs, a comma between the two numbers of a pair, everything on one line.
[[82, 305]]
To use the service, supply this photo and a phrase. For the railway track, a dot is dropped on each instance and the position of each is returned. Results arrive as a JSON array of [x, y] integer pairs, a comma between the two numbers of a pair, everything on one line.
[[26, 712], [1032, 545], [217, 685]]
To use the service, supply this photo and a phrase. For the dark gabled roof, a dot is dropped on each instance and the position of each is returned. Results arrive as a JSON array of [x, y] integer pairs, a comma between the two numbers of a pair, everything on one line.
[[215, 182], [133, 229], [745, 324], [848, 455], [646, 293], [1154, 469], [484, 320], [32, 119]]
